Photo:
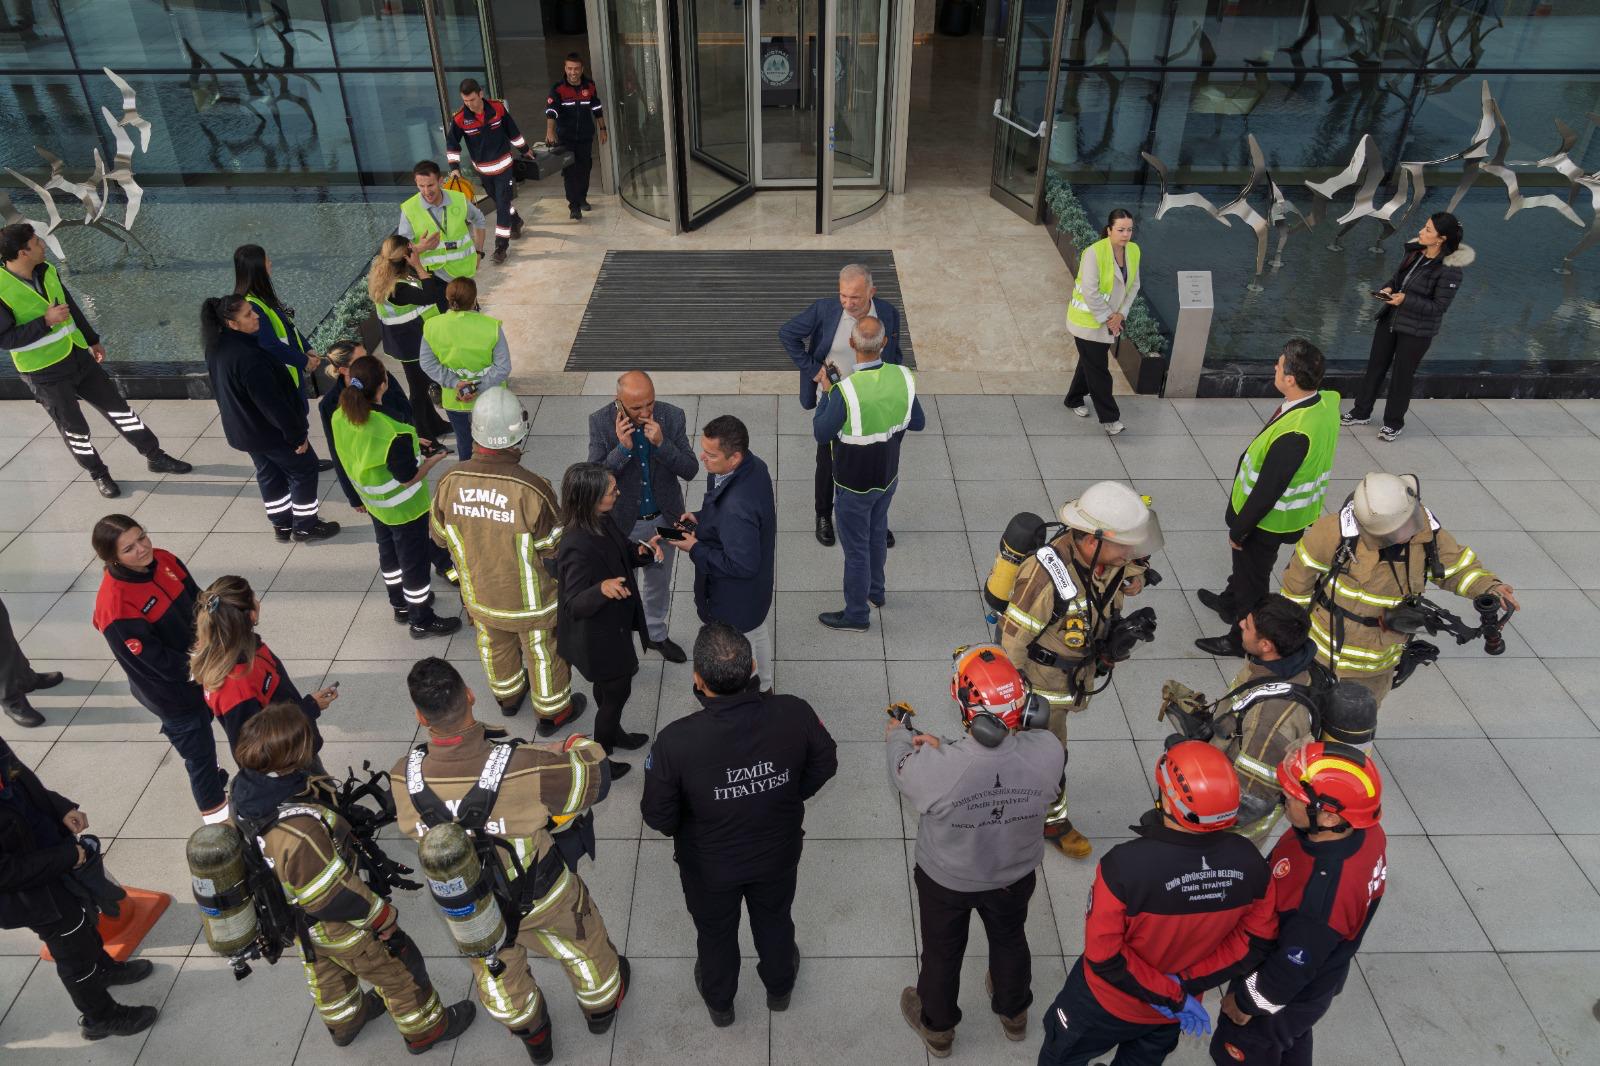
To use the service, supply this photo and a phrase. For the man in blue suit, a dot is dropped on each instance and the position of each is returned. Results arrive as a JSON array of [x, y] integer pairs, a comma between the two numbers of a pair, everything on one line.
[[821, 334]]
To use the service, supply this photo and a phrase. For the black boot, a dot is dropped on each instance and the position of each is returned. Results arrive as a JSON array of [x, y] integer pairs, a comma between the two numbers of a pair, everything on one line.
[[600, 1023], [160, 462], [121, 1020], [129, 973], [825, 535], [457, 1018], [23, 713], [549, 727], [540, 1040], [719, 1018], [372, 1008]]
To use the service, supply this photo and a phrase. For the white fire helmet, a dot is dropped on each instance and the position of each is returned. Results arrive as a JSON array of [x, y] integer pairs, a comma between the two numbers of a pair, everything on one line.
[[1118, 514], [1388, 507], [499, 419]]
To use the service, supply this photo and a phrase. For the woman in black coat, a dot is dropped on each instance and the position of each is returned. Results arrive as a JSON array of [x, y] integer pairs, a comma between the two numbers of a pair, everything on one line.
[[1417, 297], [599, 608]]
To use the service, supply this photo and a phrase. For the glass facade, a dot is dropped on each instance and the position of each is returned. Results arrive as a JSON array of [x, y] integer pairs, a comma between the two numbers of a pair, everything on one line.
[[1189, 82]]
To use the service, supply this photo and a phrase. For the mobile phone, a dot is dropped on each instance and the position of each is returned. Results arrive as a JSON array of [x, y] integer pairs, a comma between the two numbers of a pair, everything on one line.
[[671, 532], [1384, 296], [833, 372], [334, 685], [625, 413]]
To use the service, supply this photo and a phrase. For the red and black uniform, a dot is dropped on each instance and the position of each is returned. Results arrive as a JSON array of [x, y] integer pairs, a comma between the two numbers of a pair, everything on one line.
[[492, 137], [147, 618], [576, 111], [251, 687], [1197, 907], [1327, 893]]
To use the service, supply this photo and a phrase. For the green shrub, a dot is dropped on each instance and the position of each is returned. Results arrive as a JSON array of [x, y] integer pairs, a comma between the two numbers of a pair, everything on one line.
[[1142, 328], [344, 318]]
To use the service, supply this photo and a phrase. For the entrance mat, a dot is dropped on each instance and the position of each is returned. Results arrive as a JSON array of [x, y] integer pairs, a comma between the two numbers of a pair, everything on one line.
[[712, 310]]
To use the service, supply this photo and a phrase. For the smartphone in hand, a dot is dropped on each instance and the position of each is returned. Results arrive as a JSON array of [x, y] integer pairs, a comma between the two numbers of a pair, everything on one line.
[[671, 532]]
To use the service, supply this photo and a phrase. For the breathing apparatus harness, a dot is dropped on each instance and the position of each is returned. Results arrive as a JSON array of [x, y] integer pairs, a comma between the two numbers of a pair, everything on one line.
[[1104, 644]]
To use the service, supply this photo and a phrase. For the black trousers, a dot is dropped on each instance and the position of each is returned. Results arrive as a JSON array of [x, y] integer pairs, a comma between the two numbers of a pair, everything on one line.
[[430, 424], [715, 911], [288, 484], [576, 177], [609, 699], [1251, 577], [81, 959], [946, 915], [1402, 352], [59, 387], [1281, 1039], [1093, 379], [406, 558], [1077, 1029], [503, 188], [191, 737], [17, 678], [823, 485]]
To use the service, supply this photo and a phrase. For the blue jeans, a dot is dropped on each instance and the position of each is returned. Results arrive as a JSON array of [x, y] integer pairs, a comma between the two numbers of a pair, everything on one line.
[[461, 425], [862, 522]]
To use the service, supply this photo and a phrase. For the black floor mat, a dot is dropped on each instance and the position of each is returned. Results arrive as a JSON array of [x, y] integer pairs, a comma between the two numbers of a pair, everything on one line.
[[712, 310]]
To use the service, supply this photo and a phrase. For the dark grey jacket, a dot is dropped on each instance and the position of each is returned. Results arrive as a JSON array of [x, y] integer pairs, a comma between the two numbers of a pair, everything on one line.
[[1429, 289], [674, 459]]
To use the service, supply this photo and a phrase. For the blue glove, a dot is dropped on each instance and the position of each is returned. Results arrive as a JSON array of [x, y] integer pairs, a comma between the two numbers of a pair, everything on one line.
[[1192, 1019]]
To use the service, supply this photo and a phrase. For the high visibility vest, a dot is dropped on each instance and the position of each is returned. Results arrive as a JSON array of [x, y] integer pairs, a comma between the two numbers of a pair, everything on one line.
[[463, 341], [26, 305], [1301, 503], [280, 330], [877, 403], [364, 454], [399, 314], [456, 255], [1078, 312]]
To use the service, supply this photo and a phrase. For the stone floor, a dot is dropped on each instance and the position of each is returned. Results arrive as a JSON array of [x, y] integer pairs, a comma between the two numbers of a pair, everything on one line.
[[1487, 949]]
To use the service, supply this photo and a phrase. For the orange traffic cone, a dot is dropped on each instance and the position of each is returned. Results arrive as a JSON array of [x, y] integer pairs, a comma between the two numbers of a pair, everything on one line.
[[136, 916]]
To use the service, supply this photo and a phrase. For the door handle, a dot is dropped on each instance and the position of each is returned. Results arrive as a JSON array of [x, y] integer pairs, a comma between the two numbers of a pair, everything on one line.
[[1035, 134]]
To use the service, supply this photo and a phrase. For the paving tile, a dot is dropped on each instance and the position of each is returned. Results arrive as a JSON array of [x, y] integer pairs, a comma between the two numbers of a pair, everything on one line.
[[35, 562], [80, 506], [846, 999], [1430, 459], [160, 866], [187, 506], [802, 637], [373, 633], [310, 625], [550, 456], [966, 415], [1399, 819], [1515, 557], [1577, 554], [1436, 774], [1076, 458], [849, 697], [347, 563], [1454, 1007], [1107, 787], [1188, 504], [1585, 411], [106, 799], [1456, 418], [179, 418], [1581, 679], [859, 803], [1558, 987], [926, 562], [215, 460], [978, 456], [1500, 458], [266, 1016], [1531, 897], [26, 501], [1573, 458], [1068, 882], [1557, 623], [1212, 417], [919, 505], [1536, 419], [1515, 698], [14, 972], [1047, 416], [65, 632], [1355, 1011], [1177, 627], [928, 625], [1161, 457], [255, 557], [61, 703], [1546, 506], [921, 456], [665, 1021], [1422, 908], [797, 457], [1558, 774], [42, 1023], [1458, 504], [1199, 559], [1428, 706], [1138, 682], [45, 458]]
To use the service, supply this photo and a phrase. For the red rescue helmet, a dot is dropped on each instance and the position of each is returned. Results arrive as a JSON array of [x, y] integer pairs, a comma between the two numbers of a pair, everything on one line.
[[1328, 776], [1197, 786], [983, 680]]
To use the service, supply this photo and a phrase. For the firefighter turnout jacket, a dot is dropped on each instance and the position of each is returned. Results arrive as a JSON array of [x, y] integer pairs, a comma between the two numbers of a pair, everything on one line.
[[1039, 622], [500, 522], [1347, 597], [1260, 725], [1327, 893], [1197, 905]]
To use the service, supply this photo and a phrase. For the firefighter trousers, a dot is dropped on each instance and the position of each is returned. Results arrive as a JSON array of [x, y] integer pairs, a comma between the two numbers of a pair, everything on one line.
[[401, 978], [1056, 820], [519, 662], [564, 925], [60, 386]]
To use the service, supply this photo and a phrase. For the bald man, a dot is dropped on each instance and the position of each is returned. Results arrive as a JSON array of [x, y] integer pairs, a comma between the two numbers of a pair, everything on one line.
[[644, 443]]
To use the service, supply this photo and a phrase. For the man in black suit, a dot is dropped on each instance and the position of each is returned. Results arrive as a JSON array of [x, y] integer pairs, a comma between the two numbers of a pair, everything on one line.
[[821, 335], [644, 443]]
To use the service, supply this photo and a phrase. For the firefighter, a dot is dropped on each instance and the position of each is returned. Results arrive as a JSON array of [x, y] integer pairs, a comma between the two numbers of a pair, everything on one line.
[[500, 522], [1057, 626], [1328, 878], [1354, 567], [348, 934], [492, 136], [1183, 907], [516, 796]]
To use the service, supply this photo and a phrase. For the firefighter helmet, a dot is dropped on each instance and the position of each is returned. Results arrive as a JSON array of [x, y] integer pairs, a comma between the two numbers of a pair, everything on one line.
[[498, 419], [1337, 778], [1114, 512], [1388, 507], [1197, 787]]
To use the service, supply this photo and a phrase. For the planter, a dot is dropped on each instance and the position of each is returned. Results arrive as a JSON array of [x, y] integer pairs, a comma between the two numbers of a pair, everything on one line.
[[1146, 374]]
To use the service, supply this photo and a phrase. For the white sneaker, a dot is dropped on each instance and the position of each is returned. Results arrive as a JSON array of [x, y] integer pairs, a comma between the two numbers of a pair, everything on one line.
[[1388, 433], [1113, 428], [1081, 411]]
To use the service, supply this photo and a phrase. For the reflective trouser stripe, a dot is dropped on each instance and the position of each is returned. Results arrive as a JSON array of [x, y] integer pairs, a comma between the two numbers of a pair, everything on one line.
[[515, 661], [501, 995], [1057, 812], [503, 687], [551, 695]]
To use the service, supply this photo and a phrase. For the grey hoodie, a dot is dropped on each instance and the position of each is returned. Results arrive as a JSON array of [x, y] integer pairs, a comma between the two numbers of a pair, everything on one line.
[[982, 824]]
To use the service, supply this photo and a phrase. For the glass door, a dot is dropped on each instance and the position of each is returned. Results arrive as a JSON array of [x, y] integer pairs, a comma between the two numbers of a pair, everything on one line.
[[636, 109], [785, 63], [712, 91], [859, 35], [1028, 86]]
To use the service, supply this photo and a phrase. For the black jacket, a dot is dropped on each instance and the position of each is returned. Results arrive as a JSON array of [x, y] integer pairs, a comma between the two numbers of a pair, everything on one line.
[[147, 617], [31, 876], [735, 555], [1429, 285], [404, 341], [593, 633], [396, 405], [729, 784], [260, 407]]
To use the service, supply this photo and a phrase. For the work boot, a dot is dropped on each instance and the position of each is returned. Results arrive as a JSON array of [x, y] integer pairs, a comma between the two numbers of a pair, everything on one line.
[[372, 1007], [1016, 1026], [631, 741], [402, 615], [938, 1043], [129, 973], [719, 1018], [499, 256], [23, 713], [48, 679], [121, 1020], [510, 708], [575, 214], [516, 226], [457, 1018], [825, 535], [1073, 844], [781, 1003], [320, 531], [437, 626], [549, 727], [160, 462], [600, 1023], [107, 485], [587, 206], [540, 1040], [283, 533]]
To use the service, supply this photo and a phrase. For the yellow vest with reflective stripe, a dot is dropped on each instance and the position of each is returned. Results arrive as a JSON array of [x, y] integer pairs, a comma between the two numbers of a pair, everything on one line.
[[364, 453], [281, 331], [1078, 312], [1301, 503], [26, 305], [456, 254], [464, 341]]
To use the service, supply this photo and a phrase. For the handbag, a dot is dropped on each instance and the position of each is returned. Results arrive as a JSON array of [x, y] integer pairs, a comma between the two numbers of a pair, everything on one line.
[[462, 185], [545, 162]]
